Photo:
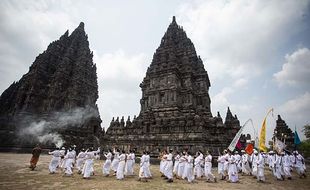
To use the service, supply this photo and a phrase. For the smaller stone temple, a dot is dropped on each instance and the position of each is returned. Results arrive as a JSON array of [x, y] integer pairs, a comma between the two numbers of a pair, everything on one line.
[[284, 133]]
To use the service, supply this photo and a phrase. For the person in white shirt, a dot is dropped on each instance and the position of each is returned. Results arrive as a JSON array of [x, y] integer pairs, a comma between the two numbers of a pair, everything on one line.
[[176, 164], [115, 161], [121, 166], [169, 167], [133, 156], [232, 169], [182, 163], [143, 168], [287, 166], [80, 161], [129, 163], [238, 161], [208, 167], [107, 164], [260, 168], [88, 168], [189, 168], [220, 166], [272, 161], [186, 165], [54, 161], [148, 163], [62, 157], [254, 158], [279, 166], [69, 160], [162, 157], [299, 165], [198, 162], [246, 169]]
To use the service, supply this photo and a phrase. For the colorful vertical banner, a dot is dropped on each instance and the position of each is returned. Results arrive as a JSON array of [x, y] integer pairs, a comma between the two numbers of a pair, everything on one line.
[[262, 138]]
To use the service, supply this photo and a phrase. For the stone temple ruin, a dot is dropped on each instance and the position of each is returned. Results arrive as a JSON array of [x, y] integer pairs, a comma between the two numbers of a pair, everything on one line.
[[61, 79], [284, 133], [175, 105]]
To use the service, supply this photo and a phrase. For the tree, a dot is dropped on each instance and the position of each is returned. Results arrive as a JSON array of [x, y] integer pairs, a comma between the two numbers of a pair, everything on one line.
[[304, 147]]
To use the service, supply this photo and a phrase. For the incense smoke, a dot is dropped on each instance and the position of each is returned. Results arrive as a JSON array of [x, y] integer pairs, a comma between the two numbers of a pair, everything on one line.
[[45, 129]]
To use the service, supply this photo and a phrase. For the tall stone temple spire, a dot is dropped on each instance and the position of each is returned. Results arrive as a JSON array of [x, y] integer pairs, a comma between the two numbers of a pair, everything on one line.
[[175, 103], [176, 77], [60, 79]]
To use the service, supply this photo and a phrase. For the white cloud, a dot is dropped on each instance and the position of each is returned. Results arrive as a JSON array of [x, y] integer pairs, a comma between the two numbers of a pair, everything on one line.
[[242, 82], [240, 38], [21, 38], [297, 107], [296, 70], [296, 112], [119, 76]]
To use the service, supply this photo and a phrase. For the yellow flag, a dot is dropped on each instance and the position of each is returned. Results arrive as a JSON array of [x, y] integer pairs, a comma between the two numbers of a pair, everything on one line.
[[262, 138]]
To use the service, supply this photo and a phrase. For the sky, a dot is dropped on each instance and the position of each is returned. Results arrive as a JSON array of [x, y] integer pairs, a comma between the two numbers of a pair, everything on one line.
[[257, 53]]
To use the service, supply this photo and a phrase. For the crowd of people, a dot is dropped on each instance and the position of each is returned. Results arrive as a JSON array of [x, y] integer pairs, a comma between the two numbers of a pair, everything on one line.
[[180, 165]]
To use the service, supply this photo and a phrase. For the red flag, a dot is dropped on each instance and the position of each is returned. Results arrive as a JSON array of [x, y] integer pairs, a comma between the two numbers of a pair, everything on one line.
[[249, 149]]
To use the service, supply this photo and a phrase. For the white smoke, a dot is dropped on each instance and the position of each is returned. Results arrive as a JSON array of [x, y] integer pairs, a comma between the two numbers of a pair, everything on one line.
[[52, 137], [44, 130]]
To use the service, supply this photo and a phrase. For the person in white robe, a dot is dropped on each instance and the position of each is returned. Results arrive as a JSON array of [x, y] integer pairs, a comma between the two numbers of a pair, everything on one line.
[[238, 161], [73, 151], [143, 167], [69, 163], [121, 166], [189, 168], [115, 161], [254, 158], [107, 164], [184, 174], [198, 162], [54, 161], [62, 157], [80, 161], [88, 168], [292, 160], [208, 167], [246, 169], [272, 161], [287, 166], [232, 169], [133, 156], [260, 168], [169, 167], [220, 166], [279, 167], [129, 165], [299, 165], [226, 156], [176, 164], [148, 164], [162, 162], [181, 165]]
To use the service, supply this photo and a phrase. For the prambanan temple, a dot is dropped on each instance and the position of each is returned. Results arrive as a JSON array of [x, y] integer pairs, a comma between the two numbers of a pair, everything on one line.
[[175, 105], [61, 79]]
